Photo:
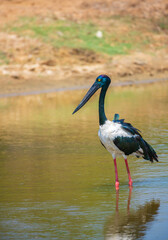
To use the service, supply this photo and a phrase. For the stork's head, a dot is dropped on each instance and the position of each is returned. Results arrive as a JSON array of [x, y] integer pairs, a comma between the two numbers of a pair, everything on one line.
[[101, 81]]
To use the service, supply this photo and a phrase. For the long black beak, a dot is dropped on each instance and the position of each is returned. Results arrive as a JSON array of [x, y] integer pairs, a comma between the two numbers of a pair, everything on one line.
[[88, 95]]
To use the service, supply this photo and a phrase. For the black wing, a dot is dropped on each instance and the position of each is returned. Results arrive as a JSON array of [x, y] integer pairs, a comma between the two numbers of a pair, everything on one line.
[[134, 144]]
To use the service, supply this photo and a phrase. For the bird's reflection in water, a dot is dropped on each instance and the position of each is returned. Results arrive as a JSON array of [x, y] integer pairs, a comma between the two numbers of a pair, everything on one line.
[[132, 224]]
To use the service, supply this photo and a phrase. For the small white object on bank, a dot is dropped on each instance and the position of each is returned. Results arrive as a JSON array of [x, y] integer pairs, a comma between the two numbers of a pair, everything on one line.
[[99, 34]]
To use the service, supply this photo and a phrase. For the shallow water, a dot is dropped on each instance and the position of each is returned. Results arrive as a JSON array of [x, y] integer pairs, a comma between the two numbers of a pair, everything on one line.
[[57, 181]]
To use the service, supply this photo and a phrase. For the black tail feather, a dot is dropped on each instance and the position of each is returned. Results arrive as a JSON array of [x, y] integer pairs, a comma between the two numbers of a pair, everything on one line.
[[149, 152]]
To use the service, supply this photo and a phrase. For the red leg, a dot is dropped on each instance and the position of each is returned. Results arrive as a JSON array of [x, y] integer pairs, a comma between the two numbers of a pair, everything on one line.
[[116, 175], [128, 171]]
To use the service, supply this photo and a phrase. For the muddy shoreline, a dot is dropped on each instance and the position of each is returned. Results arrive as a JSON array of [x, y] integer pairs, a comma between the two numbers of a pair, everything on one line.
[[72, 88], [133, 45]]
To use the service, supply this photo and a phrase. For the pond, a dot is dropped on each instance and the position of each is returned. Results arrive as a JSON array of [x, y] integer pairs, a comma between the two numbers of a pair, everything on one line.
[[57, 181]]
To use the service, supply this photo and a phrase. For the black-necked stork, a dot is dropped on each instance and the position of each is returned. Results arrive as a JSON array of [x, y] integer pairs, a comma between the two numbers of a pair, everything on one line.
[[117, 136]]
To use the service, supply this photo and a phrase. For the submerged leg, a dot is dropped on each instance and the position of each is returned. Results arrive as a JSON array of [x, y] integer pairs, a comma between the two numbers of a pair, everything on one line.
[[128, 171], [116, 174], [129, 199], [117, 200]]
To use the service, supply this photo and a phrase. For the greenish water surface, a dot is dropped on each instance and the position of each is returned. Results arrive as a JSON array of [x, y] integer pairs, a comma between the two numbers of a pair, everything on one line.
[[57, 181]]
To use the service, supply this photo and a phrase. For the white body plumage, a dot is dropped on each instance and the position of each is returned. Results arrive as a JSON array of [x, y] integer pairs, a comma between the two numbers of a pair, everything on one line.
[[108, 132]]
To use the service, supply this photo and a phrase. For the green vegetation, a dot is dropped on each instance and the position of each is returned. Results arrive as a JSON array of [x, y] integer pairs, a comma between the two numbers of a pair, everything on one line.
[[3, 58], [163, 23], [120, 36], [63, 33]]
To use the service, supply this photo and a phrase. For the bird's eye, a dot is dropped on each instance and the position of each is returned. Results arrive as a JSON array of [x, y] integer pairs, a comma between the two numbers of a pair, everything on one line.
[[99, 80]]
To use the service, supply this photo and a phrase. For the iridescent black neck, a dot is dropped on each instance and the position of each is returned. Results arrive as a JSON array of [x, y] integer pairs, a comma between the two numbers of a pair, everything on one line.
[[102, 116]]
